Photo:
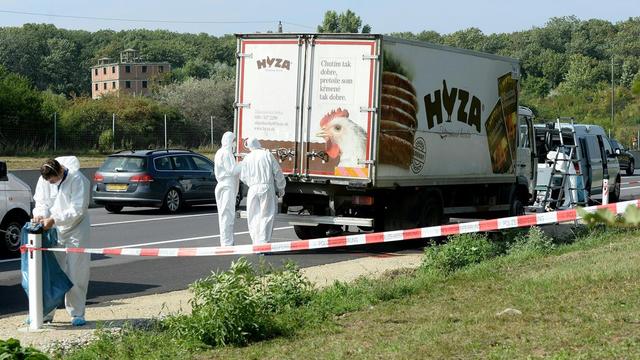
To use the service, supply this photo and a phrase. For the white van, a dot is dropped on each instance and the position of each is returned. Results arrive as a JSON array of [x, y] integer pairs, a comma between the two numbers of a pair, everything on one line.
[[594, 159], [15, 209]]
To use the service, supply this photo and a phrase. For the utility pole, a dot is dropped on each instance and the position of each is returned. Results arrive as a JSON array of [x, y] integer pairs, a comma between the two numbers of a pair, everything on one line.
[[165, 131], [55, 131], [113, 132], [211, 132]]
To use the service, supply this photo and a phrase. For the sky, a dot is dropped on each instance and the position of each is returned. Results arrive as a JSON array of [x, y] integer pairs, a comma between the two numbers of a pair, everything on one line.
[[217, 17]]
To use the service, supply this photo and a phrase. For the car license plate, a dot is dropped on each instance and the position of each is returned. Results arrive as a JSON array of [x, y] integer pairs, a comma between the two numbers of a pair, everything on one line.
[[117, 187]]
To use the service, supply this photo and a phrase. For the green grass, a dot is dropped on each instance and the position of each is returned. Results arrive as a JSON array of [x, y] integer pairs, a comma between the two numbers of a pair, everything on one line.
[[581, 301], [577, 301]]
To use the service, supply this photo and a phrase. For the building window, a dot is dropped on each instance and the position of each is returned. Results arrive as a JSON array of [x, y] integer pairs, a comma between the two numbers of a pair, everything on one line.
[[104, 70], [144, 68], [96, 84], [104, 86], [127, 68], [127, 84], [144, 84], [96, 71], [113, 85], [113, 69], [161, 68]]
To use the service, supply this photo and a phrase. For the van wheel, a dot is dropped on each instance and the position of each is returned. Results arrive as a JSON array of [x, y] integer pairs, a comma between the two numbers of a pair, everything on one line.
[[11, 235], [172, 201], [614, 195], [310, 232], [115, 209], [631, 169]]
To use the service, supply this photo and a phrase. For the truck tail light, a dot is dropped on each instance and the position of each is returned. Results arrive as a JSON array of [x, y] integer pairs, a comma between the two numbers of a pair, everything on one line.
[[362, 200], [97, 177], [142, 178]]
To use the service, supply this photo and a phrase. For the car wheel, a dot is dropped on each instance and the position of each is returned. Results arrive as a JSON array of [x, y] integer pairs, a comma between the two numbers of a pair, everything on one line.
[[113, 208], [10, 236], [631, 169], [172, 201]]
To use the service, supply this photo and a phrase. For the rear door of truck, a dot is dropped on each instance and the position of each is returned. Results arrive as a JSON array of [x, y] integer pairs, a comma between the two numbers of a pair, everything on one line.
[[269, 84], [340, 98]]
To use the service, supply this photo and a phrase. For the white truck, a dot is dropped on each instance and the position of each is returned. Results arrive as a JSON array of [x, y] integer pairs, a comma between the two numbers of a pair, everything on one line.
[[15, 210], [384, 133]]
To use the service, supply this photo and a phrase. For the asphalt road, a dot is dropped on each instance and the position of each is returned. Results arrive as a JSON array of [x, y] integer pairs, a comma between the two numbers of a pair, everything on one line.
[[127, 276]]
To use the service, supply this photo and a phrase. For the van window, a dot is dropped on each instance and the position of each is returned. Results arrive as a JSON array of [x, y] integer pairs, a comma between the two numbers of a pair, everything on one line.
[[124, 164], [593, 148]]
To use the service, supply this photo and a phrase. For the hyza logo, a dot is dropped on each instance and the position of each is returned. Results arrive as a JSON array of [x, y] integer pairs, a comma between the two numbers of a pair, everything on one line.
[[270, 63], [468, 111], [419, 155]]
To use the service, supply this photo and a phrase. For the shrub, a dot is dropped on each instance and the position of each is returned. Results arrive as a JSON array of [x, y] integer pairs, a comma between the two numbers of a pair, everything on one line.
[[238, 306], [535, 240], [460, 251], [11, 349], [105, 142]]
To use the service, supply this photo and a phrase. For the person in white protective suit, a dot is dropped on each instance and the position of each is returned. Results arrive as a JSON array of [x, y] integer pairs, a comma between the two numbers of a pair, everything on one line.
[[62, 202], [227, 171], [262, 174]]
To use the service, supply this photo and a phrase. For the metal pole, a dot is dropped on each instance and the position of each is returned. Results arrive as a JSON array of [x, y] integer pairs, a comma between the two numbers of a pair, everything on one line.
[[612, 94], [165, 131], [55, 130], [211, 132], [36, 315], [113, 132]]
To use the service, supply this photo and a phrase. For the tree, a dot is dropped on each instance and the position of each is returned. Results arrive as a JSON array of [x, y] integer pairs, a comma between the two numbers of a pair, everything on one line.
[[346, 22], [582, 73]]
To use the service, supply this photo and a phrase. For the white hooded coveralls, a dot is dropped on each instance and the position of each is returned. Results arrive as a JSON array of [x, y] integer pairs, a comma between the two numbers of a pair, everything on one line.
[[68, 204], [262, 173], [227, 171]]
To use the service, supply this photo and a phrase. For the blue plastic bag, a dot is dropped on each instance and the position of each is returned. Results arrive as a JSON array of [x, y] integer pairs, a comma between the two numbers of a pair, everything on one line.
[[55, 283]]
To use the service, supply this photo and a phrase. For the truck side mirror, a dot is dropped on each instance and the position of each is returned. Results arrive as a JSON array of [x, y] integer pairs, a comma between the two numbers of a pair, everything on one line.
[[3, 171]]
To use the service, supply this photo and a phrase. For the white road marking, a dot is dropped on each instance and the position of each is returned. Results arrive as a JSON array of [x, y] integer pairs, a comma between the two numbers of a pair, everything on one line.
[[189, 239], [152, 219], [174, 241]]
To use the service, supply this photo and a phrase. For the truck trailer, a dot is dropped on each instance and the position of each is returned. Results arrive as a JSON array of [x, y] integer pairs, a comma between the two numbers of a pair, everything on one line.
[[384, 133]]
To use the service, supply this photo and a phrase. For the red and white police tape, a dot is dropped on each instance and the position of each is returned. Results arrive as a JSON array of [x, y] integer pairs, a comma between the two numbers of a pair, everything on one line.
[[359, 239]]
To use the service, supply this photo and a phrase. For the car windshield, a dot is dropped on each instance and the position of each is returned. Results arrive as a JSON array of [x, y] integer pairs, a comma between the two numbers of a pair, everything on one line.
[[124, 164]]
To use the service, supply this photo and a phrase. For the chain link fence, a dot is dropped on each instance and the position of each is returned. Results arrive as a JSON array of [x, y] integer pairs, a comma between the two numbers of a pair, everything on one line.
[[108, 135]]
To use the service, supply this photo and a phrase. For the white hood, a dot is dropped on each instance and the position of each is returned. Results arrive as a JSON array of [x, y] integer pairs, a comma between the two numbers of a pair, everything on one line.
[[70, 162]]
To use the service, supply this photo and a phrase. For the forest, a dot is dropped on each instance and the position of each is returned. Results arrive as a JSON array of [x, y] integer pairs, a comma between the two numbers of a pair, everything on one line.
[[569, 66]]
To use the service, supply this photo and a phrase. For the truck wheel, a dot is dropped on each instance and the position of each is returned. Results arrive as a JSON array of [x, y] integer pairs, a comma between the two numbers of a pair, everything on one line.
[[631, 169], [113, 208], [516, 208], [310, 232], [431, 213], [10, 235]]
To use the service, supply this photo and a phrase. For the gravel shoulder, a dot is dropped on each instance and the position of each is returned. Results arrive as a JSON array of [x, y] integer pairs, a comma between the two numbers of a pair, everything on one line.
[[112, 315]]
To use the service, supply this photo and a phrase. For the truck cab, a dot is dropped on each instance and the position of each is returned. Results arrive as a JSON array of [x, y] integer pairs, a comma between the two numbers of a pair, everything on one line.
[[15, 210]]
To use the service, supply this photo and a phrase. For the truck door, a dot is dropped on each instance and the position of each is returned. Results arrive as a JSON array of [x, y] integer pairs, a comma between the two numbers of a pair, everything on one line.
[[340, 106], [526, 158], [595, 169], [268, 95]]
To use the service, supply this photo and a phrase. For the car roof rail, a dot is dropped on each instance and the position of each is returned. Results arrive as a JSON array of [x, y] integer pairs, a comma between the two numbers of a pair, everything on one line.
[[167, 151], [121, 151]]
